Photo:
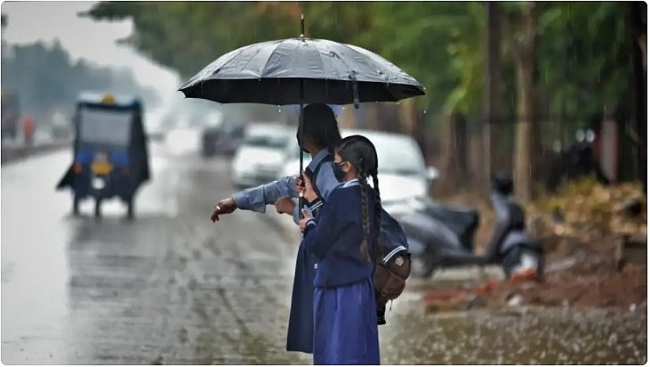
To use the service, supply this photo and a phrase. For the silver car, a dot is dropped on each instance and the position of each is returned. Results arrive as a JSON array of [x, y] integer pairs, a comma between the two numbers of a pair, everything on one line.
[[263, 153]]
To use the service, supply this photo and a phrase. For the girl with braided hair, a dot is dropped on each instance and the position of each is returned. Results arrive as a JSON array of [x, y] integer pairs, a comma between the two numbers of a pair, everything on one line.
[[344, 242]]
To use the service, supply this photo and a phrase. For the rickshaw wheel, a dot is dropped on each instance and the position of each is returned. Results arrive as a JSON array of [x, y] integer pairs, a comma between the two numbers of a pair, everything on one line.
[[129, 210], [98, 208], [75, 205]]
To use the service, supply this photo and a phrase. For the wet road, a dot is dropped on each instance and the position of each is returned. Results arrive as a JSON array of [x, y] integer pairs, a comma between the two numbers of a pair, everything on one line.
[[169, 287], [172, 288]]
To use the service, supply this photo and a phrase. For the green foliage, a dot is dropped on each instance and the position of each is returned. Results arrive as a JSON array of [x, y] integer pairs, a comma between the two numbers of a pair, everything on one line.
[[581, 55]]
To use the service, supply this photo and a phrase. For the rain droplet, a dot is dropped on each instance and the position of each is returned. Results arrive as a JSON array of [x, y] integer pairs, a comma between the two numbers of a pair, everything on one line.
[[425, 111], [279, 108]]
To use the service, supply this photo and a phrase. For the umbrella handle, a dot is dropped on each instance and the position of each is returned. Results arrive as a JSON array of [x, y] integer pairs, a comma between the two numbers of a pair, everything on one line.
[[301, 204]]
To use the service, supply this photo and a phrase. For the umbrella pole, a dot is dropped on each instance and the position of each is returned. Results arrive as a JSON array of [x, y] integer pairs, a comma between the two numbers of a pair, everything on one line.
[[301, 131], [301, 127]]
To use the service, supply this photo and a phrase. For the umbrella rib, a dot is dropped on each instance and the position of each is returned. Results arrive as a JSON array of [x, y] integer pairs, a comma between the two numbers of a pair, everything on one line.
[[365, 58], [269, 58], [234, 56], [327, 45], [241, 50]]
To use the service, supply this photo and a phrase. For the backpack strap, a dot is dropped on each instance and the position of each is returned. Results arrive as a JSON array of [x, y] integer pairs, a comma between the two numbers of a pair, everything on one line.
[[315, 207], [314, 175]]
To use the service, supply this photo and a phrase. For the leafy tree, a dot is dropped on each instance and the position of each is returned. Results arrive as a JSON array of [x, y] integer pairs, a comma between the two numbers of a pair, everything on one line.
[[557, 58]]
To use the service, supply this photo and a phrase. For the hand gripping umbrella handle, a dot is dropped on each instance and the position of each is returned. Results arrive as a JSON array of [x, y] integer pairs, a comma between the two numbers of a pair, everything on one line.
[[301, 204]]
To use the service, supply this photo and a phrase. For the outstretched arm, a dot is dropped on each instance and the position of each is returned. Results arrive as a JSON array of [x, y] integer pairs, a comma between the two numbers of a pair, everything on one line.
[[257, 198]]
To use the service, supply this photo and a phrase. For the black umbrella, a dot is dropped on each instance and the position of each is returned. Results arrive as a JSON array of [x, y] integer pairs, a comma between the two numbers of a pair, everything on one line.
[[300, 70], [297, 70]]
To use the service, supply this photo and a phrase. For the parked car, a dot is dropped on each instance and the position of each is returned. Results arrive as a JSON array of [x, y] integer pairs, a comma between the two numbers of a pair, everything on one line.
[[223, 138], [402, 170], [61, 127], [292, 164], [262, 154]]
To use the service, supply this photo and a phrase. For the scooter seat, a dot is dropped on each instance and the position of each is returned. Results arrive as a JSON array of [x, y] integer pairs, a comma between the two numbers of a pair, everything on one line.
[[462, 221]]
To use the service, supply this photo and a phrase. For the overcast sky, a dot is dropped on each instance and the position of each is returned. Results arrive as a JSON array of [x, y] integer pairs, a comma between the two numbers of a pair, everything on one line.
[[83, 38]]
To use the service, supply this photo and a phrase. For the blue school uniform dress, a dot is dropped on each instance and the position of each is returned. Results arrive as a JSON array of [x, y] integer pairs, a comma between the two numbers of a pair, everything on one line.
[[345, 316], [300, 333]]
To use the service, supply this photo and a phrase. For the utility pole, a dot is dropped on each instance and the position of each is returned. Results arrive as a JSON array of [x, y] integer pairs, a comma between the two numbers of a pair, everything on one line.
[[491, 91]]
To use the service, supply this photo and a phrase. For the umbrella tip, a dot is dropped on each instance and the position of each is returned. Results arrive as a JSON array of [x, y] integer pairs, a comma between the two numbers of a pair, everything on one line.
[[302, 26]]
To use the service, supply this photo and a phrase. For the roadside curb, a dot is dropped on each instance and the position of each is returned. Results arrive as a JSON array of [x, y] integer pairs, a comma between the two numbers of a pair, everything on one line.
[[14, 154]]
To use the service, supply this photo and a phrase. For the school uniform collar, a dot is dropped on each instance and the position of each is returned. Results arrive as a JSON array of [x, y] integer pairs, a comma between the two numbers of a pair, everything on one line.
[[322, 154], [353, 182]]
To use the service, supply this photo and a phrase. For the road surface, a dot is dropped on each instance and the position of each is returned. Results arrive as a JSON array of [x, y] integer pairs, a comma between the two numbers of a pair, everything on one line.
[[170, 287]]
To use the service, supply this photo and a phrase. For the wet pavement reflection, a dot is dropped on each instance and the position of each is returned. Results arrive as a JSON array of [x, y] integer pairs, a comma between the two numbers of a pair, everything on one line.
[[172, 288]]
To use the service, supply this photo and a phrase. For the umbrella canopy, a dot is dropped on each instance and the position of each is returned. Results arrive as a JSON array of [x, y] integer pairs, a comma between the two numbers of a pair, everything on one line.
[[299, 70]]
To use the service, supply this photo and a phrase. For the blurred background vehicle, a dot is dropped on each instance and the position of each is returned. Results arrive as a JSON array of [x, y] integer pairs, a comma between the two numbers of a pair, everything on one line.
[[292, 165], [184, 135], [212, 129], [443, 236], [155, 125], [403, 173], [110, 152], [402, 170], [262, 154], [61, 127], [223, 138]]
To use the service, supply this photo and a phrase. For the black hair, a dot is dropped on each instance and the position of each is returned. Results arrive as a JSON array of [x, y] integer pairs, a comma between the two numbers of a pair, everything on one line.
[[361, 153], [320, 127]]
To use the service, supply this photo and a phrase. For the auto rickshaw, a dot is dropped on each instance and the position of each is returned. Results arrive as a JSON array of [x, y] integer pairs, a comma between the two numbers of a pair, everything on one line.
[[110, 151]]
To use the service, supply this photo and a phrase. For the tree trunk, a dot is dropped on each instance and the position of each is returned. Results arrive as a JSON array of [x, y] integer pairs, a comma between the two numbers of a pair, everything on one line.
[[372, 116], [348, 119], [525, 68], [454, 152], [408, 117], [491, 93]]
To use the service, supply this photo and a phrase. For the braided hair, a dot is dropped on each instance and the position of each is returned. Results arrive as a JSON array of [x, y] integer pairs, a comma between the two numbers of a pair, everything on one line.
[[361, 153], [378, 209]]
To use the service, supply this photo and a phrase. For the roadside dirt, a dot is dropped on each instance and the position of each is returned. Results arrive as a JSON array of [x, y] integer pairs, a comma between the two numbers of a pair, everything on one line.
[[581, 229]]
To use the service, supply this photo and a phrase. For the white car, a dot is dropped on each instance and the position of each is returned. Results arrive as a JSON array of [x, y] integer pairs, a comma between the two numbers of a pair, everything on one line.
[[262, 154], [402, 171], [292, 165]]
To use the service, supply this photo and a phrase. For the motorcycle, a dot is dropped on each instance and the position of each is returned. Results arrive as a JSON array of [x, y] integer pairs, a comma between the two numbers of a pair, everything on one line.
[[443, 237], [572, 162]]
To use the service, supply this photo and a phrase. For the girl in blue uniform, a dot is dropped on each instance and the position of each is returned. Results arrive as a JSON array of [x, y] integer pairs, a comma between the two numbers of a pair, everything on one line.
[[343, 242]]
